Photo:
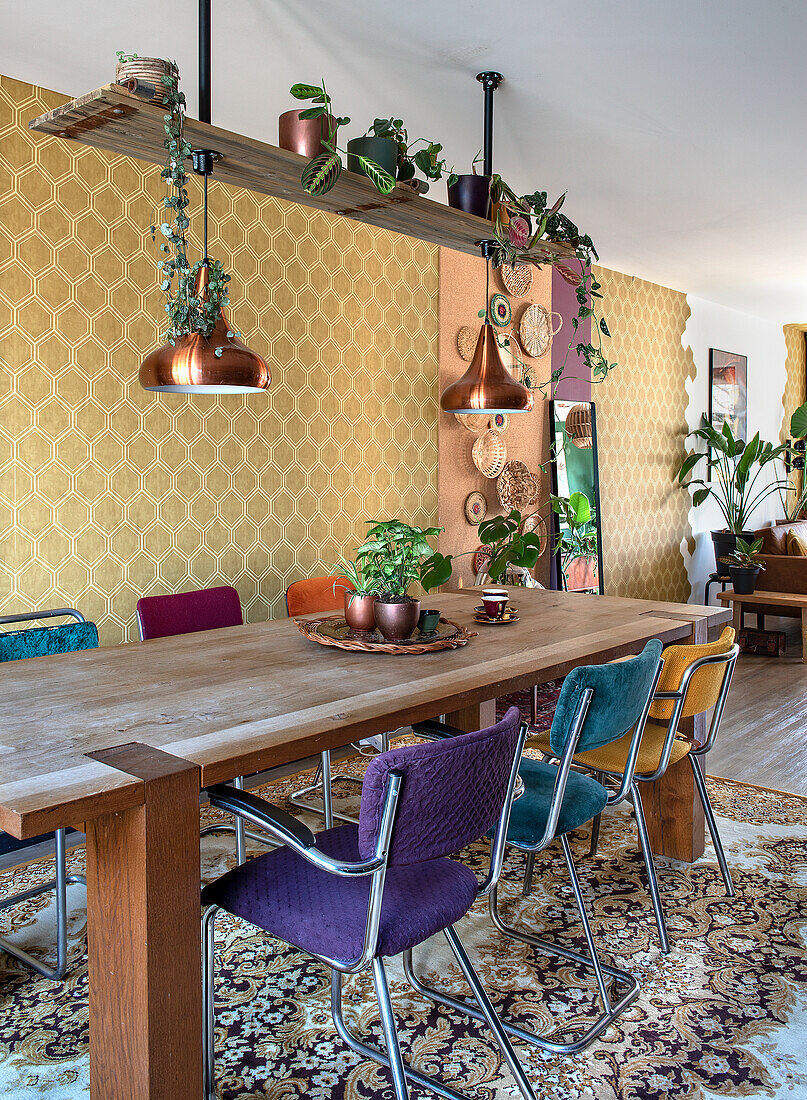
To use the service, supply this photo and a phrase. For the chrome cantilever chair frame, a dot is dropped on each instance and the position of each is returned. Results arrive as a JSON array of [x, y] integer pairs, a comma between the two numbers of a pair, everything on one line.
[[629, 785], [602, 971], [62, 879], [288, 830]]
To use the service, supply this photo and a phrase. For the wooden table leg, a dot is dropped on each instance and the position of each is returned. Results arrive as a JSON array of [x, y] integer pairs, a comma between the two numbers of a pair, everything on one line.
[[804, 635], [737, 616], [144, 938], [476, 717], [673, 809]]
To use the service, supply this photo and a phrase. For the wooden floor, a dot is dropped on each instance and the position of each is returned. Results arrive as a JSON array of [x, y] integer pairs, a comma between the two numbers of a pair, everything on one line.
[[763, 738]]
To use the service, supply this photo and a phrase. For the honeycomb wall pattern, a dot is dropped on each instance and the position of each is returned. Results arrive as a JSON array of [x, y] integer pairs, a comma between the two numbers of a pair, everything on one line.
[[795, 384], [107, 492], [641, 425]]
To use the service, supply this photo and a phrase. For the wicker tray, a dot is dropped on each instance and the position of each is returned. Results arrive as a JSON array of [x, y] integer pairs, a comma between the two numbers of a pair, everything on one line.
[[489, 454], [517, 487], [334, 631], [536, 331], [517, 278]]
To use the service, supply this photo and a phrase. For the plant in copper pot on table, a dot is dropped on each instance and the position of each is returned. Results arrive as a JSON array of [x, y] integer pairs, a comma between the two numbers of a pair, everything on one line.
[[361, 596]]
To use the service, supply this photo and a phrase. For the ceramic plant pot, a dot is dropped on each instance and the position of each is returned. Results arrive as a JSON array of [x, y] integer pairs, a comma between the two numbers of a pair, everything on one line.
[[744, 580], [397, 621], [383, 151], [303, 135], [725, 543], [471, 194], [360, 612]]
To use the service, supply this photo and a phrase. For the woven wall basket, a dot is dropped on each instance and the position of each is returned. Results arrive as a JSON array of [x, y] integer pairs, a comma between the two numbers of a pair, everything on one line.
[[489, 454], [474, 422], [466, 342], [517, 278], [517, 487], [536, 331]]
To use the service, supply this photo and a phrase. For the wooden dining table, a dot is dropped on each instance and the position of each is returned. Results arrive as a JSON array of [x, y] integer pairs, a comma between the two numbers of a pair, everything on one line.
[[121, 740]]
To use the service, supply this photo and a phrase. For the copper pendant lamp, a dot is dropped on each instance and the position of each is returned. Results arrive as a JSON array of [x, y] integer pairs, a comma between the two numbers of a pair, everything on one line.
[[487, 386], [219, 363]]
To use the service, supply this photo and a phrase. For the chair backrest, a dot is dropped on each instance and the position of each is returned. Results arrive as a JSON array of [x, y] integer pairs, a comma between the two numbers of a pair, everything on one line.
[[315, 594], [704, 687], [188, 612], [43, 641], [620, 694], [452, 793]]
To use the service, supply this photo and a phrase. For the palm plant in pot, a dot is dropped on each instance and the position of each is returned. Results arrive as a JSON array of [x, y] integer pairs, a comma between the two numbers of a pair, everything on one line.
[[360, 597], [734, 469], [744, 566], [395, 554]]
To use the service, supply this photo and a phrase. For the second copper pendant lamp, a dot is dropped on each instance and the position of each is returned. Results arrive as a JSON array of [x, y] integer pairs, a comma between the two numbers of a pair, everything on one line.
[[487, 386], [219, 363]]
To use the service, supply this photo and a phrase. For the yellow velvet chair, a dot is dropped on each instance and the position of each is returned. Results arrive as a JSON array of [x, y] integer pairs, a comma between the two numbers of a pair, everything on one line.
[[695, 679]]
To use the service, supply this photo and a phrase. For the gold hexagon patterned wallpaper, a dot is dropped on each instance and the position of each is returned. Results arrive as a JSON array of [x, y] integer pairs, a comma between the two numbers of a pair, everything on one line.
[[107, 492], [641, 425], [795, 381]]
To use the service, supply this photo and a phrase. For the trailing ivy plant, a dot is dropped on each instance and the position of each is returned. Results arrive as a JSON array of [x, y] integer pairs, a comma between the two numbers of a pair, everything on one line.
[[321, 173], [522, 222], [186, 311]]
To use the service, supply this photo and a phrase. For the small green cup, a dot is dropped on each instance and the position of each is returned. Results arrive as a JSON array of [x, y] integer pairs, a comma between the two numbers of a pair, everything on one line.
[[427, 622]]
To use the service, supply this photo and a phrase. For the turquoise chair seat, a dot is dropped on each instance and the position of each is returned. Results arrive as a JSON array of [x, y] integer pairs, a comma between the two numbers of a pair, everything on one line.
[[583, 799]]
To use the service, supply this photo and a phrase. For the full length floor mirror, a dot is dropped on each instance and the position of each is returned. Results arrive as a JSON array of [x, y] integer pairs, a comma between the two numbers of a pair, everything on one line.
[[576, 532]]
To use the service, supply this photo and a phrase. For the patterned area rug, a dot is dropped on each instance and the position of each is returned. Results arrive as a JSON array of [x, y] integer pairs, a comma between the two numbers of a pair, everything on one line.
[[725, 1014]]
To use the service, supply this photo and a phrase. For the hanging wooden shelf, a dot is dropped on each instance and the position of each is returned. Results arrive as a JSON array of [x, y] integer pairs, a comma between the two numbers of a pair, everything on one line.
[[111, 118]]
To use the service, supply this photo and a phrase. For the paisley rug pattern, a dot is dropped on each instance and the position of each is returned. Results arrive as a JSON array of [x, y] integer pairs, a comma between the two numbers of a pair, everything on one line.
[[725, 1014]]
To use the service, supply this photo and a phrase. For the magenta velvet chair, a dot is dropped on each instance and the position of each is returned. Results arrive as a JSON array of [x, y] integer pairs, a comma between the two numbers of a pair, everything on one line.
[[188, 613], [352, 895]]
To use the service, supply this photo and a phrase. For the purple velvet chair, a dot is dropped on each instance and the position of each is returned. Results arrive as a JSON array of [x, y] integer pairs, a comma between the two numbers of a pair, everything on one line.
[[352, 895], [188, 613]]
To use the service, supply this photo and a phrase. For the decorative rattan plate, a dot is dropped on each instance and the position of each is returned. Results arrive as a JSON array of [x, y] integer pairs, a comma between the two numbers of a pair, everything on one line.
[[501, 312], [474, 422], [489, 454], [536, 524], [536, 331], [517, 278], [498, 422], [516, 486], [466, 342], [476, 508], [334, 631]]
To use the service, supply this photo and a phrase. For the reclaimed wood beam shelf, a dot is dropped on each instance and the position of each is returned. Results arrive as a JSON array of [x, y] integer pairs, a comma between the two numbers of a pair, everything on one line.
[[112, 118]]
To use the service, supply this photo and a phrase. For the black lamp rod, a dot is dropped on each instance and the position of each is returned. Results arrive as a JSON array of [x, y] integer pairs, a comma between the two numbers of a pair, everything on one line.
[[490, 81], [204, 61]]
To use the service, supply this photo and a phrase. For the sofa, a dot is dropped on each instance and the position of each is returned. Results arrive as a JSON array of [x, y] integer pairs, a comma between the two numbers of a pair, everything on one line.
[[783, 572]]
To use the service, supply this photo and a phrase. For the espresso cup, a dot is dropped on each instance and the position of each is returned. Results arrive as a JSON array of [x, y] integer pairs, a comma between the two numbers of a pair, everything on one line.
[[495, 604]]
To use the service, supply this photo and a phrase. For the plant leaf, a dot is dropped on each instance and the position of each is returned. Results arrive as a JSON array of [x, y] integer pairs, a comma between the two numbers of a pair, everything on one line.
[[383, 181], [798, 422], [305, 91], [321, 173]]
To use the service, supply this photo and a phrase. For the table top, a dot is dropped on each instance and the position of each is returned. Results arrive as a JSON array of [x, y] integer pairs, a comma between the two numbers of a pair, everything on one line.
[[761, 595], [239, 700]]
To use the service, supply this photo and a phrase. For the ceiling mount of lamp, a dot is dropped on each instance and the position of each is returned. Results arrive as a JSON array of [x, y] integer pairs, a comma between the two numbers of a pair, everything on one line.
[[487, 385]]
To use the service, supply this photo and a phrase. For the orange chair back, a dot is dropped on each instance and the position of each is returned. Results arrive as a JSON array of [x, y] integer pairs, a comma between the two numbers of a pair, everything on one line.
[[704, 687], [316, 594]]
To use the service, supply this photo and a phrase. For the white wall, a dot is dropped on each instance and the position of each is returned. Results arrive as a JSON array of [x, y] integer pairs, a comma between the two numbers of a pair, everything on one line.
[[715, 326]]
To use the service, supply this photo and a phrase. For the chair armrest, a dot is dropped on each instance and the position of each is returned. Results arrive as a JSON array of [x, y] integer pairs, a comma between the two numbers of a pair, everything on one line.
[[432, 730], [259, 812]]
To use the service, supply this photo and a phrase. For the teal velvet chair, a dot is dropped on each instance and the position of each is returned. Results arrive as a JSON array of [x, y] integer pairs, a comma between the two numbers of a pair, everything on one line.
[[18, 645], [597, 705]]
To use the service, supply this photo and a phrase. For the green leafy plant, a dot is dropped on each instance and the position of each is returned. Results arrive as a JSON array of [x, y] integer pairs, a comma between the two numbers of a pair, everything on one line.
[[426, 158], [505, 541], [397, 554], [123, 57], [578, 532], [736, 468], [359, 575], [321, 173], [187, 312], [746, 555], [793, 495], [453, 176]]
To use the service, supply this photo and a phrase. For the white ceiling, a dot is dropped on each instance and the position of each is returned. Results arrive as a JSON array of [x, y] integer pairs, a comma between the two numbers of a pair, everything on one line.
[[677, 128]]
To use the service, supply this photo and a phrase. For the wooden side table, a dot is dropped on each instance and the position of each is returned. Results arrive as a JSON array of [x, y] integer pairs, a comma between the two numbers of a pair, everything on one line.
[[788, 600]]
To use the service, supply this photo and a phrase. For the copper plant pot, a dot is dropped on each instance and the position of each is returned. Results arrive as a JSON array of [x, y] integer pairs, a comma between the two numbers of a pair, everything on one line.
[[304, 135], [360, 612], [397, 621]]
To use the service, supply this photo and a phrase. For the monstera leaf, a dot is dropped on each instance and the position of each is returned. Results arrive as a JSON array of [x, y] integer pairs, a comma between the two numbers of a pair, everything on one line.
[[321, 173], [798, 422]]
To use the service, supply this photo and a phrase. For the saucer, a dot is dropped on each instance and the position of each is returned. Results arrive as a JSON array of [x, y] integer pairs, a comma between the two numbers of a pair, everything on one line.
[[510, 616]]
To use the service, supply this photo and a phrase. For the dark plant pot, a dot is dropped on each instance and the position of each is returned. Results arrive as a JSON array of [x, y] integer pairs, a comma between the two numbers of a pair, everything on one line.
[[397, 621], [383, 151], [360, 612], [725, 543], [471, 194], [428, 621], [303, 135], [743, 580]]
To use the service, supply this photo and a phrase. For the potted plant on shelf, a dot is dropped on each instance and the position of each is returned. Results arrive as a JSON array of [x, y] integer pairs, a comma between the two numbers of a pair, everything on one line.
[[735, 469], [411, 156], [396, 555], [470, 191], [744, 566], [324, 169], [360, 597]]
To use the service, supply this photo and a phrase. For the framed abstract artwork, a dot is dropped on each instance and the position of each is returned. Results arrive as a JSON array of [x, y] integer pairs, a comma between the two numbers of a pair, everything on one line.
[[728, 391]]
